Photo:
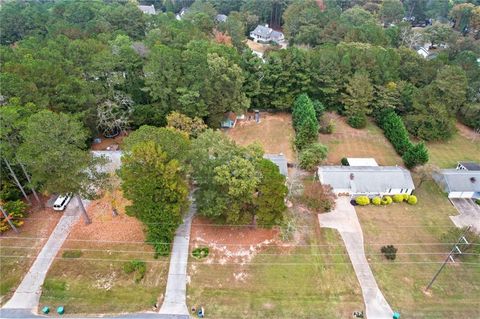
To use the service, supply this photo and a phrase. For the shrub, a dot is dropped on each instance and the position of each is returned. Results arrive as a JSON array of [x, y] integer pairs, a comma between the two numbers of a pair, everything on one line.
[[397, 198], [327, 128], [8, 191], [357, 121], [137, 266], [416, 155], [362, 200], [386, 200], [406, 197], [200, 252], [16, 209], [344, 161], [376, 201], [477, 201], [312, 155], [319, 198], [72, 254], [389, 251], [412, 199]]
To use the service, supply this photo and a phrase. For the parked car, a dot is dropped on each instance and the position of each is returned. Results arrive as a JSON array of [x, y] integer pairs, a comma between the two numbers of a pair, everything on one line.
[[62, 201]]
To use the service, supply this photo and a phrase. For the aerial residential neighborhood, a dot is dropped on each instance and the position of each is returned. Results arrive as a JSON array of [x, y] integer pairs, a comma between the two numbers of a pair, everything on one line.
[[240, 159]]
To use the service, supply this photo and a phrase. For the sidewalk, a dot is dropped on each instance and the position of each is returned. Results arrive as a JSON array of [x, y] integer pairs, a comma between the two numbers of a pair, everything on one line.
[[27, 295]]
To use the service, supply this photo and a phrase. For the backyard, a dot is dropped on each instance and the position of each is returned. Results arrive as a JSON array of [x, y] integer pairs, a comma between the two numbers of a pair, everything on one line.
[[274, 133], [254, 274], [89, 271], [346, 141], [463, 146], [38, 225]]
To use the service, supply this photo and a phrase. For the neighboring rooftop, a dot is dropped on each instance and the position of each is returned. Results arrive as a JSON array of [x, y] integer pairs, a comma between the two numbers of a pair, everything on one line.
[[280, 160], [366, 179], [362, 161], [221, 18], [458, 180], [469, 166], [147, 9]]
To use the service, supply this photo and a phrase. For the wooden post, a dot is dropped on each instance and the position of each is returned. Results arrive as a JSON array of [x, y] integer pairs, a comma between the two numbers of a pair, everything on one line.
[[29, 182], [8, 219], [16, 180], [84, 211]]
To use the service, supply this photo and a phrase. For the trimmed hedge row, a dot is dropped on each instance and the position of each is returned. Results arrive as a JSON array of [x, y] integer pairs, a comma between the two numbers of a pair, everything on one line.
[[386, 200], [396, 132]]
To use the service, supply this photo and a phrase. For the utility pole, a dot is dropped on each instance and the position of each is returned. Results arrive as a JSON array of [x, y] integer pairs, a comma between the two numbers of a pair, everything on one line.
[[8, 219], [455, 248]]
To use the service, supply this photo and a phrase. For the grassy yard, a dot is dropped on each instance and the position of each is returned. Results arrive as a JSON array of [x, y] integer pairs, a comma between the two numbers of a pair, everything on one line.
[[88, 274], [455, 294], [463, 146], [279, 282], [349, 142], [274, 132], [26, 245]]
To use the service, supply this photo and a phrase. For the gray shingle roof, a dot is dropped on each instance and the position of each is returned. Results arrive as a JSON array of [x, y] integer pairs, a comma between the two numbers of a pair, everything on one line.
[[221, 18], [471, 166], [262, 31], [366, 179], [280, 160], [147, 9], [453, 180]]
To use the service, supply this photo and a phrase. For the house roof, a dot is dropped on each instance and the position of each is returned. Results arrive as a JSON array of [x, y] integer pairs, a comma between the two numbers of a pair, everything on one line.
[[366, 179], [221, 18], [280, 160], [262, 31], [276, 35], [471, 166], [147, 9], [457, 180], [362, 161]]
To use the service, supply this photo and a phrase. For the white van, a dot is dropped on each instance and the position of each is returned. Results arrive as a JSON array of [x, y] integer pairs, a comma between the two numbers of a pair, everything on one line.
[[62, 201]]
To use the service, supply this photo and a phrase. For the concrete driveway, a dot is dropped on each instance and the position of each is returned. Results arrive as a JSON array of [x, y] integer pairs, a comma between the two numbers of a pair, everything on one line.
[[175, 302], [469, 213], [345, 220]]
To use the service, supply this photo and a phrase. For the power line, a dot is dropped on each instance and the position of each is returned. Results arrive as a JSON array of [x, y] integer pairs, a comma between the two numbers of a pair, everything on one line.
[[257, 254], [237, 263], [225, 244]]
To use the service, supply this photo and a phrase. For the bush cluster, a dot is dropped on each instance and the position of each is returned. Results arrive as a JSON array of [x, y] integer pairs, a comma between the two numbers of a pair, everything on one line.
[[396, 132], [200, 252], [312, 155], [139, 267], [16, 210], [386, 200], [389, 251], [318, 198]]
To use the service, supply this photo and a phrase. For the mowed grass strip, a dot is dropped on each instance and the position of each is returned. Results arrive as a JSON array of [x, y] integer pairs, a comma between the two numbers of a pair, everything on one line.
[[96, 281], [456, 293], [298, 283]]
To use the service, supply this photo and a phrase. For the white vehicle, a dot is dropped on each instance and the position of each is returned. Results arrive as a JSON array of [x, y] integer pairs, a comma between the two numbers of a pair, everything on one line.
[[62, 201]]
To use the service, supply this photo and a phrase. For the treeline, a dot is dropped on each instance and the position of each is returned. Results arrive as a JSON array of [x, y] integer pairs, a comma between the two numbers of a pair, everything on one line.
[[116, 68]]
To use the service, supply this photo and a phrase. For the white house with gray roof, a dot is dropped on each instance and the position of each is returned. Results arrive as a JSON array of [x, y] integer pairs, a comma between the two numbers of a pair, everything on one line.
[[263, 33], [459, 183], [147, 9], [367, 180]]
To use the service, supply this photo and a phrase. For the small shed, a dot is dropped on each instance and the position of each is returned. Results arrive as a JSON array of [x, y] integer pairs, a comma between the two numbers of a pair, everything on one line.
[[361, 161], [229, 121]]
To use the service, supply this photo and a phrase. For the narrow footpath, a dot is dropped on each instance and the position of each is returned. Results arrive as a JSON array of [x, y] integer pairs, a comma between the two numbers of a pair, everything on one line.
[[175, 301], [344, 219], [27, 295]]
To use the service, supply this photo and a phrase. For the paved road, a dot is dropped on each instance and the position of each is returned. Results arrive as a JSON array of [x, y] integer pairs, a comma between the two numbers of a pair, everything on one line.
[[469, 213], [27, 295], [175, 302], [27, 314], [345, 220]]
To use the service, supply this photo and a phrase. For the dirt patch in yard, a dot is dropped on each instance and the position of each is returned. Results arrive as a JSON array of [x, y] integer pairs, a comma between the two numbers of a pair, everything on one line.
[[467, 132], [105, 226], [230, 244], [109, 143], [274, 133]]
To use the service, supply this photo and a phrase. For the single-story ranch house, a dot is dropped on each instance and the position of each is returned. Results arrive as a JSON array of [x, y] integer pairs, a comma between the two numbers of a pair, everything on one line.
[[459, 183], [367, 180]]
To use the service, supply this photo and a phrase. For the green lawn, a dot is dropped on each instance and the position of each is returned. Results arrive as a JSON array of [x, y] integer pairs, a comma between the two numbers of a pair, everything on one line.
[[458, 148], [299, 283], [455, 294], [97, 283]]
